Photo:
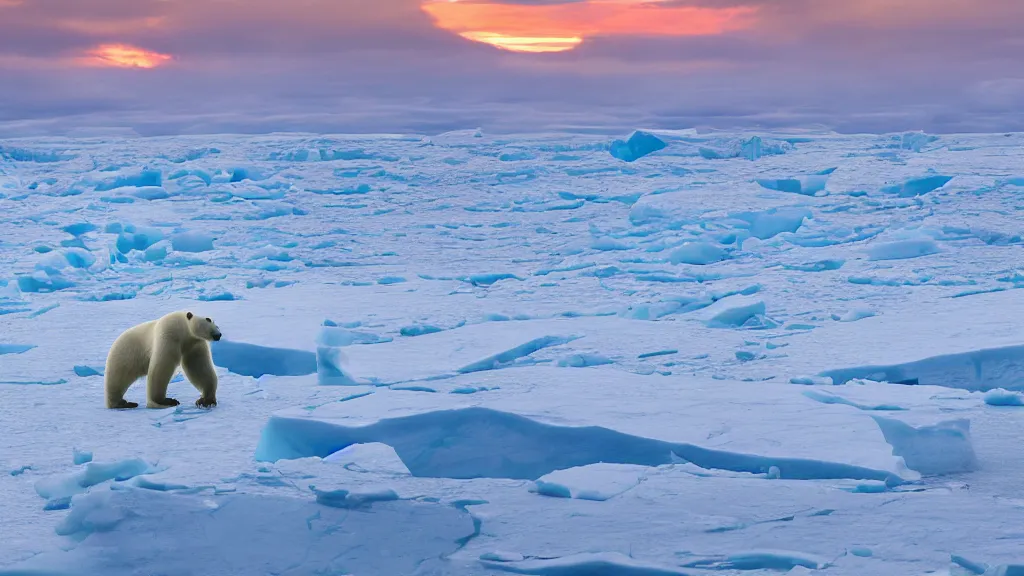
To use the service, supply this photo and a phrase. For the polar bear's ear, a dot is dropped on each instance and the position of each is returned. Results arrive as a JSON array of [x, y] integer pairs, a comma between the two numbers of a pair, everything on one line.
[[188, 315]]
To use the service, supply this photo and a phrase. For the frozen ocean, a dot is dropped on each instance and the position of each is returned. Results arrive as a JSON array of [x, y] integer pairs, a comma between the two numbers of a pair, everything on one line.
[[673, 353]]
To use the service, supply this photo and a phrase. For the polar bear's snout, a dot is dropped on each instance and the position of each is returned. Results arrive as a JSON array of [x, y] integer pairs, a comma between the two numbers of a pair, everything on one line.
[[216, 336]]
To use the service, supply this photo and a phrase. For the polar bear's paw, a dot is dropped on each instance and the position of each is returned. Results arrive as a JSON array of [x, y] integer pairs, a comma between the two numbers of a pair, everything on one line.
[[165, 403], [125, 404], [206, 402]]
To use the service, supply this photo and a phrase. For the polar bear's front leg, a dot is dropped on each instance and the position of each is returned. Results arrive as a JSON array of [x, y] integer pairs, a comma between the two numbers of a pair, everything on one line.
[[162, 365], [198, 367]]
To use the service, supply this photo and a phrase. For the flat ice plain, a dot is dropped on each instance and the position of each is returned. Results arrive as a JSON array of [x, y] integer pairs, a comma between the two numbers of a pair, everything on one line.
[[555, 355]]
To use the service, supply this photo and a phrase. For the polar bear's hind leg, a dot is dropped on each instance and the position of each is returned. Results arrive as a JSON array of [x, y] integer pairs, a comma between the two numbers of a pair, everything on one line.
[[120, 372], [116, 384]]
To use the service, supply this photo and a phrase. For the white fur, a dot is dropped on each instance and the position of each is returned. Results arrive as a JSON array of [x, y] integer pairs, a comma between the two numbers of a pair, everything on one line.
[[156, 349]]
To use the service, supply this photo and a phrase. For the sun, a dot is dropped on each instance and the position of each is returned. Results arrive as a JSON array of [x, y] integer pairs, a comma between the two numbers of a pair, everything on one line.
[[534, 44]]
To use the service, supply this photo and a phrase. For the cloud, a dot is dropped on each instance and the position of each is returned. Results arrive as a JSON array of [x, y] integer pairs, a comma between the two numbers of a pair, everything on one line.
[[587, 18], [385, 66]]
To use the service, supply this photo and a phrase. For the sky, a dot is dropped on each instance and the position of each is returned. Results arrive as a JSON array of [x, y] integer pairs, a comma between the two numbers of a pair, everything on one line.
[[160, 67]]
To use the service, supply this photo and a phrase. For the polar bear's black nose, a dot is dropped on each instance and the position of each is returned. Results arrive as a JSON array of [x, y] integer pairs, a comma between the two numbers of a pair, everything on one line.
[[216, 336]]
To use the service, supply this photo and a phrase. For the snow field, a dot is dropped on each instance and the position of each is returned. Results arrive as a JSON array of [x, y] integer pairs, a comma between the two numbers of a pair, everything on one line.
[[674, 353]]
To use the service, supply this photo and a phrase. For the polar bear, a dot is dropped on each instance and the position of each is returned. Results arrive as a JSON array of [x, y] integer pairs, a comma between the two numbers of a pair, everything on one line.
[[155, 349]]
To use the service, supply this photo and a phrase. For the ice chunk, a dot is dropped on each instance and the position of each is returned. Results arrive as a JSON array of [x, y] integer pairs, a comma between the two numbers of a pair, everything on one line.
[[732, 312], [914, 141], [976, 370], [811, 380], [79, 228], [337, 336], [44, 310], [502, 556], [371, 457], [474, 442], [217, 296], [488, 279], [15, 348], [92, 474], [917, 186], [943, 448], [252, 360], [807, 185], [585, 564], [89, 514], [137, 238], [329, 369], [582, 360], [155, 253], [829, 398], [854, 314], [474, 347], [140, 179], [86, 371], [752, 149], [148, 192], [569, 268], [607, 244], [903, 249], [698, 253], [78, 258], [81, 456], [419, 329], [43, 282], [770, 223], [592, 482], [514, 353], [1000, 397], [638, 145], [348, 499], [641, 214], [551, 489], [192, 242], [272, 253], [20, 470], [30, 155], [745, 355], [778, 560]]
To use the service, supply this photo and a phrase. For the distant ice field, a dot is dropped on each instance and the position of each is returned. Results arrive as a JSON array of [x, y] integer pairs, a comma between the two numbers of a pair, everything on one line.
[[675, 353]]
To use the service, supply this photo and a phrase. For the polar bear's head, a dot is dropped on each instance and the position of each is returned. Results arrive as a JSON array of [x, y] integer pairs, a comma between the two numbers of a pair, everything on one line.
[[203, 328]]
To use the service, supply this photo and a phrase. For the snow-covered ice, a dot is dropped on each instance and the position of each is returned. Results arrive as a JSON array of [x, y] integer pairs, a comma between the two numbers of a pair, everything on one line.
[[672, 353]]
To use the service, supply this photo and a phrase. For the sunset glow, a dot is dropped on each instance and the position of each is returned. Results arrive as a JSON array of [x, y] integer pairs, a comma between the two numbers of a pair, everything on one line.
[[123, 56], [560, 27], [524, 43]]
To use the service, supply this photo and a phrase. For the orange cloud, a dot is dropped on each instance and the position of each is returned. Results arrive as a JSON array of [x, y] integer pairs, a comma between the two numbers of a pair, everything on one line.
[[123, 56], [560, 27]]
